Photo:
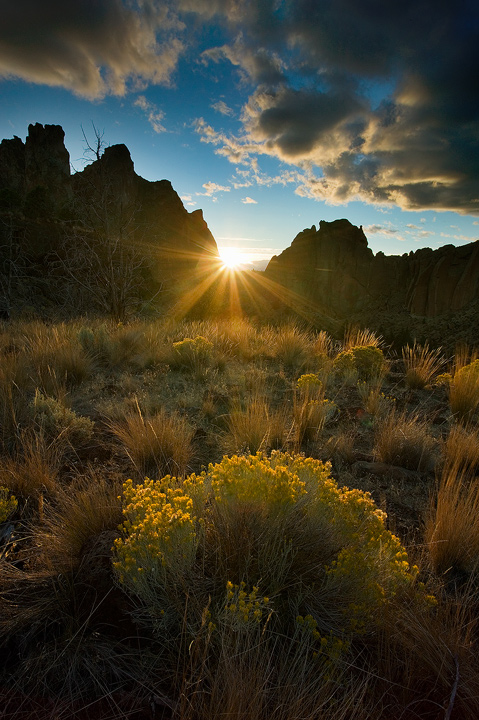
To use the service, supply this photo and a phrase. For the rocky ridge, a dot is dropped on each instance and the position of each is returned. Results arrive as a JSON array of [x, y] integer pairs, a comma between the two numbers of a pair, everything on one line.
[[333, 268], [47, 212]]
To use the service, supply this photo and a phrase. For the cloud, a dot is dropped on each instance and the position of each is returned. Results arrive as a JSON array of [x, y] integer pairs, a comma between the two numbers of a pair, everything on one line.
[[223, 108], [374, 229], [92, 48], [380, 99], [188, 200], [363, 100], [249, 201], [212, 188], [155, 116], [254, 64]]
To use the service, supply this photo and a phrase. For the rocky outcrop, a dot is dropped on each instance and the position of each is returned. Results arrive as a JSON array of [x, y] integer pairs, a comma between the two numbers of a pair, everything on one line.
[[150, 213], [103, 239], [334, 268], [42, 162], [35, 179]]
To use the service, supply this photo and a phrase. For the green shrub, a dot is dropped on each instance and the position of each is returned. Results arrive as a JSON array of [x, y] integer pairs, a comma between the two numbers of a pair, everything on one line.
[[54, 420]]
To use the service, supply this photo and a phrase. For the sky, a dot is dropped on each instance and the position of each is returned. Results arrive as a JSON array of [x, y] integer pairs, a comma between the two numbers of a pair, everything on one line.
[[270, 115]]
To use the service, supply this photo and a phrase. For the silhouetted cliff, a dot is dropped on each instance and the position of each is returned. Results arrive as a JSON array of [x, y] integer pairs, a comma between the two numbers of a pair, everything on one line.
[[334, 269], [101, 226]]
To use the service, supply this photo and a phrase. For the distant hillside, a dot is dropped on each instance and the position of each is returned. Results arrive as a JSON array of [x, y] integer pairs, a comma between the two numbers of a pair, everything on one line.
[[72, 238]]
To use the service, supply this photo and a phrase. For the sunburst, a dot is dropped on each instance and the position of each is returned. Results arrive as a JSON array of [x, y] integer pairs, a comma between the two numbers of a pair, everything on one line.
[[231, 257]]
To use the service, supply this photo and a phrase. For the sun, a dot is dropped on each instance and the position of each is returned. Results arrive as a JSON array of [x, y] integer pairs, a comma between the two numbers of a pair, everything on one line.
[[231, 257]]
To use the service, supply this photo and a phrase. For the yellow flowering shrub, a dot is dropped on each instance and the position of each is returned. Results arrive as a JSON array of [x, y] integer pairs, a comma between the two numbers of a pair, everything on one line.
[[279, 523], [193, 353], [8, 504], [159, 535], [308, 381], [367, 360]]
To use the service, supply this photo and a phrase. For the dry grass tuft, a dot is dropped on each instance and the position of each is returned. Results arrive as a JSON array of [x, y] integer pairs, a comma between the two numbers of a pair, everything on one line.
[[404, 440], [461, 449], [421, 365], [254, 428], [34, 469], [161, 444], [452, 525], [292, 346], [357, 337], [83, 511], [464, 392]]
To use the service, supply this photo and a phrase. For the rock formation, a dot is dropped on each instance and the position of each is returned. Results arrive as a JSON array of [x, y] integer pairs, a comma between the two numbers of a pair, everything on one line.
[[106, 215], [334, 269]]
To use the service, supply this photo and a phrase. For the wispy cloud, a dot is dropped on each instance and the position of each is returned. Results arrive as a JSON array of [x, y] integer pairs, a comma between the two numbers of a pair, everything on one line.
[[223, 108], [155, 116], [249, 201], [212, 188], [188, 200], [374, 229]]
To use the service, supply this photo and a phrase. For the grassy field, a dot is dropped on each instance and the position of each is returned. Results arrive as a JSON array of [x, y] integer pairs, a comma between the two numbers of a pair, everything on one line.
[[306, 546]]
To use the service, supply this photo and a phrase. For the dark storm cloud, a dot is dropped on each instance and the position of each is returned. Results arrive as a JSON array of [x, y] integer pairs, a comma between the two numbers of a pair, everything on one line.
[[92, 47], [420, 147], [379, 99], [297, 122]]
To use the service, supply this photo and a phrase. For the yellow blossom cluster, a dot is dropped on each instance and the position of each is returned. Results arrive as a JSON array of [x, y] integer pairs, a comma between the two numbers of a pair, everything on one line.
[[244, 608], [8, 505], [159, 533], [310, 380], [256, 479]]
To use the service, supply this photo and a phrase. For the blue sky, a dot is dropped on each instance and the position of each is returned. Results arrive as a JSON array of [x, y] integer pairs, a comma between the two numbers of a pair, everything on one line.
[[269, 115]]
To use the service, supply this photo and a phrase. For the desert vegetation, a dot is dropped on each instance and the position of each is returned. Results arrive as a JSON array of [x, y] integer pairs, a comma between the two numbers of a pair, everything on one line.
[[218, 519]]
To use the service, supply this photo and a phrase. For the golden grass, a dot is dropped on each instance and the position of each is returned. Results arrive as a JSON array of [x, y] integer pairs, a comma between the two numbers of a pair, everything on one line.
[[452, 523], [355, 336], [34, 468], [82, 511], [404, 440], [461, 449], [256, 427], [161, 443], [55, 357], [464, 392], [291, 346], [421, 365]]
